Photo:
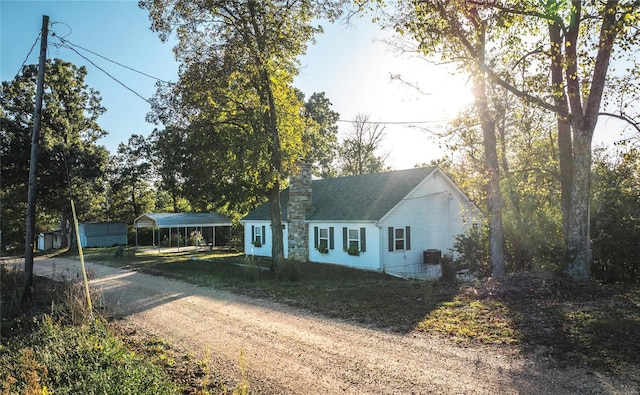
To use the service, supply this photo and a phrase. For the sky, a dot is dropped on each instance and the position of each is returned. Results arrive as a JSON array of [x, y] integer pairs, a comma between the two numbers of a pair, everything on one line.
[[351, 64]]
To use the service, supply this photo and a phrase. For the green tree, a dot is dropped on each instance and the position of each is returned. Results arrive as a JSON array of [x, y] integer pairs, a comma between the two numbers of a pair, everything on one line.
[[71, 163], [579, 40], [321, 134], [359, 151], [461, 32], [529, 177], [573, 42], [131, 180], [615, 216], [169, 157], [238, 61]]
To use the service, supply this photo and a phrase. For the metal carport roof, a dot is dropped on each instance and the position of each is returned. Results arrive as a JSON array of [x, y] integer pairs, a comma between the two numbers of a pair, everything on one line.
[[180, 220]]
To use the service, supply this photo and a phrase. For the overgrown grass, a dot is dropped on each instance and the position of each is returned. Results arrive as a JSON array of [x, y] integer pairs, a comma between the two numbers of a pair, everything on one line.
[[54, 345], [85, 359]]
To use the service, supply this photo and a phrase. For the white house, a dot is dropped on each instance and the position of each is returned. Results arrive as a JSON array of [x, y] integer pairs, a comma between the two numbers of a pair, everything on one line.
[[398, 222]]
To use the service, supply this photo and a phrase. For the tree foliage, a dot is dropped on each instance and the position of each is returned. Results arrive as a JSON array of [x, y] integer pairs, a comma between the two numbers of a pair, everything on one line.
[[615, 216], [71, 163], [529, 179], [131, 180], [563, 65], [168, 155], [320, 138], [238, 60]]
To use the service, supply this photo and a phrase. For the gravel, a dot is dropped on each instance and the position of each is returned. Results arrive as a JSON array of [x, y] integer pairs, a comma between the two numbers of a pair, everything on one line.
[[291, 351]]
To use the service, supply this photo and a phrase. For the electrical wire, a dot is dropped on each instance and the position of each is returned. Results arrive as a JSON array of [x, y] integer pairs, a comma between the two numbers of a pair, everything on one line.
[[387, 122], [70, 44], [110, 76], [29, 54]]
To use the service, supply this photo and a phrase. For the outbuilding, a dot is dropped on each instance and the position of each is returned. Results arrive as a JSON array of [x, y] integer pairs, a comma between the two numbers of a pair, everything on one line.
[[175, 229], [102, 234]]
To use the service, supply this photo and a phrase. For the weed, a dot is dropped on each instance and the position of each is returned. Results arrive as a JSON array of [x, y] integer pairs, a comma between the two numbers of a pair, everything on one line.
[[242, 388], [251, 268], [11, 287], [78, 359]]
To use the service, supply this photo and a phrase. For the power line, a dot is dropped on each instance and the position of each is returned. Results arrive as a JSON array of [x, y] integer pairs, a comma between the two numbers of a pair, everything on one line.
[[110, 76], [29, 54], [70, 44], [388, 122]]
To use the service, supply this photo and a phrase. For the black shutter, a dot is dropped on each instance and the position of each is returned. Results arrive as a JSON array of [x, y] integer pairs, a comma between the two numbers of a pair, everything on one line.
[[345, 241], [264, 235], [315, 237], [363, 240], [407, 237], [391, 239], [253, 233], [331, 246]]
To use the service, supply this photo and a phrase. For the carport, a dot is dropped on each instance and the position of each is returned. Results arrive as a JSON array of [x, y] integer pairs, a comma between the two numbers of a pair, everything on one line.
[[183, 224]]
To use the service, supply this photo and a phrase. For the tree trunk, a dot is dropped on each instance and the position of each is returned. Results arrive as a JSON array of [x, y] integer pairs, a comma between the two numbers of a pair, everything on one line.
[[265, 92], [583, 124], [494, 196], [64, 228], [277, 242], [563, 124], [579, 265]]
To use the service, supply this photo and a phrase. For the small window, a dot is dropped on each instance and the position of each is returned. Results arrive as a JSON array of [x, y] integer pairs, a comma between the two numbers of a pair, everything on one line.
[[399, 238], [257, 235], [323, 238], [354, 239]]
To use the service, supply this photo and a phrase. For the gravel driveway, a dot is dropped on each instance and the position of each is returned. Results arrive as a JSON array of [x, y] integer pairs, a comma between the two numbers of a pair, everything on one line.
[[291, 351]]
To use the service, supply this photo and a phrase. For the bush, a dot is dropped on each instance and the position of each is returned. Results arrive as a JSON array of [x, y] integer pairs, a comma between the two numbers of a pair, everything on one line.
[[289, 270], [448, 269], [472, 250]]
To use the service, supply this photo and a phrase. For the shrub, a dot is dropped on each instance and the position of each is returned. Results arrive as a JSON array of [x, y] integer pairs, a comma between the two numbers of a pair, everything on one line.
[[289, 270], [448, 269], [472, 249]]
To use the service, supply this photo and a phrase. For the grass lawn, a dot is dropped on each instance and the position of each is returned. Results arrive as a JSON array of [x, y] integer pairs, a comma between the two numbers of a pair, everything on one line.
[[578, 324]]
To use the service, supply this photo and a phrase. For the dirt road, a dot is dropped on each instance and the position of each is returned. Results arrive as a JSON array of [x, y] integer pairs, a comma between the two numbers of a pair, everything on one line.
[[290, 351]]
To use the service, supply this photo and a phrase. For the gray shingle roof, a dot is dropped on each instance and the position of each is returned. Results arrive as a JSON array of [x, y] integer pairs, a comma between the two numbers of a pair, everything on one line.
[[366, 197]]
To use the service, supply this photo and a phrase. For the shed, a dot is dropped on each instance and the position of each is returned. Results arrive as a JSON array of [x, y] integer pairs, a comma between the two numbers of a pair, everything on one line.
[[214, 228], [102, 234], [49, 240]]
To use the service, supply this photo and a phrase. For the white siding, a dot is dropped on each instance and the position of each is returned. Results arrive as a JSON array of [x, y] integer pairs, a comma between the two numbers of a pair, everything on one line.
[[265, 249], [370, 259], [434, 211]]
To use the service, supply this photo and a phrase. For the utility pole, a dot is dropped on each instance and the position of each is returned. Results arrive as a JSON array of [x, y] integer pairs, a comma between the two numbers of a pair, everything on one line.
[[33, 164]]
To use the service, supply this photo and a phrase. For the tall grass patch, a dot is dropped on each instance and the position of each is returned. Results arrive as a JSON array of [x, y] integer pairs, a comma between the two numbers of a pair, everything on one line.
[[63, 359], [53, 344]]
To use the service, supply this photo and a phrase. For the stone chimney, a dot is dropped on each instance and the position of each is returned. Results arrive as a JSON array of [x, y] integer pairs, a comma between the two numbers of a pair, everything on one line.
[[299, 206]]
